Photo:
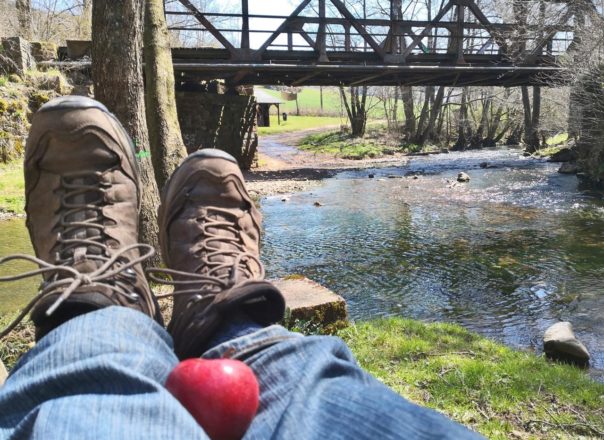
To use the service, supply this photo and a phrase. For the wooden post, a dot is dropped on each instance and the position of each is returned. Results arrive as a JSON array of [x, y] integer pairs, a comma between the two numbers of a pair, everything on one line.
[[460, 30], [245, 25], [321, 41], [347, 37]]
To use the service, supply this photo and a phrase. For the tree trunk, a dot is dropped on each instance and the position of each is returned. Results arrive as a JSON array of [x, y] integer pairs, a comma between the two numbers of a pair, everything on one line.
[[434, 111], [409, 109], [167, 147], [462, 137], [24, 17], [531, 118], [356, 109], [117, 74]]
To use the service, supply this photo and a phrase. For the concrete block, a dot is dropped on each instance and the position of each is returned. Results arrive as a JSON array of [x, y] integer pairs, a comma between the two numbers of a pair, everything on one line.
[[77, 49], [17, 51], [310, 303]]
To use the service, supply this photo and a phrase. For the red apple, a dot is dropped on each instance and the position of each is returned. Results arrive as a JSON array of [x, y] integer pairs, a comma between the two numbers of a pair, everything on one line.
[[221, 394]]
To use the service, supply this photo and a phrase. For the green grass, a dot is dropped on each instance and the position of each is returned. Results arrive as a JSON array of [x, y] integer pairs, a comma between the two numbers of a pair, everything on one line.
[[500, 392], [12, 196], [375, 143], [309, 101], [299, 123]]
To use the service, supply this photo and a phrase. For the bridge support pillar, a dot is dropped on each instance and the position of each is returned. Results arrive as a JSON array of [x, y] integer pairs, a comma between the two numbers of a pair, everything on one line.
[[223, 121]]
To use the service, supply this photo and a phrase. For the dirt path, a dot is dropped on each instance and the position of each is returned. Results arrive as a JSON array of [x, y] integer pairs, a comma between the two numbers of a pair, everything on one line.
[[285, 169]]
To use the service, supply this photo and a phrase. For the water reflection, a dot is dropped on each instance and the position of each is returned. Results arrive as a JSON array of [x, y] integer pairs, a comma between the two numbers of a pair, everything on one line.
[[506, 255]]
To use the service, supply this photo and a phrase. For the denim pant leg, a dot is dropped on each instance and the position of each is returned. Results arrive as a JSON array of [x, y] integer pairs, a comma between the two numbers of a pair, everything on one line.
[[312, 388], [97, 376]]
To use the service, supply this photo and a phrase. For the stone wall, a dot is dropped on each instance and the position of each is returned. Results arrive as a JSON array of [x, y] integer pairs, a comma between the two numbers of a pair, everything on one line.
[[227, 122]]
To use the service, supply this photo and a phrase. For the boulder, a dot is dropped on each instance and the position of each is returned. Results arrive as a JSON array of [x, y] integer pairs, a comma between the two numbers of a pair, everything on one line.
[[44, 51], [564, 155], [568, 168], [560, 343], [17, 56], [463, 177], [77, 49], [3, 374], [310, 303]]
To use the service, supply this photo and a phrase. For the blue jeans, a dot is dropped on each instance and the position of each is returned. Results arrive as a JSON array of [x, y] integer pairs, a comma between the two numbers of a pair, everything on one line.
[[100, 375]]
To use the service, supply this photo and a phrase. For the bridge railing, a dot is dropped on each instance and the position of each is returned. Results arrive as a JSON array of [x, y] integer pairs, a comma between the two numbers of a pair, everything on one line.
[[460, 31]]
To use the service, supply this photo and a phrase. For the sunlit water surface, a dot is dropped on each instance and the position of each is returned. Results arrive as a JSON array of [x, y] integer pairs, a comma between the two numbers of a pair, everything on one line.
[[517, 249]]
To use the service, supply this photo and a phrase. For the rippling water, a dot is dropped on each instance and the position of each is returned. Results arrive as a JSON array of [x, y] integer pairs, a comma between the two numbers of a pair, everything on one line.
[[507, 255]]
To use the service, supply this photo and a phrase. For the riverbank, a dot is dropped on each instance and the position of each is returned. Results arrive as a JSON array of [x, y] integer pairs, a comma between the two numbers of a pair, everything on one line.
[[499, 392]]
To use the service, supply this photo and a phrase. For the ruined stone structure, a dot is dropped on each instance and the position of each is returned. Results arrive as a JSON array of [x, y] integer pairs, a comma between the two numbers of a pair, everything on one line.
[[224, 121]]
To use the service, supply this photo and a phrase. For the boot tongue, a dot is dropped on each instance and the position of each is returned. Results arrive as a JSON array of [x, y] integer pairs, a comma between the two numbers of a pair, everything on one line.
[[229, 251]]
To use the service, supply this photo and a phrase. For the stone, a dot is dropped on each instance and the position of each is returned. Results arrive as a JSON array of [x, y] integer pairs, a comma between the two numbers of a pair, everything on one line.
[[560, 343], [463, 177], [3, 374], [44, 51], [18, 52], [77, 49], [53, 81], [371, 176], [484, 164], [568, 168], [308, 301], [565, 155], [318, 204]]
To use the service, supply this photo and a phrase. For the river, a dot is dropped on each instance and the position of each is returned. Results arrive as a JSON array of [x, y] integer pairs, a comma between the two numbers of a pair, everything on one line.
[[517, 249]]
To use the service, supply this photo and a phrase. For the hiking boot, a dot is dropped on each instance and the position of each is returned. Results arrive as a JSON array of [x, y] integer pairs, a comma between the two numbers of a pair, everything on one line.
[[210, 238], [82, 203]]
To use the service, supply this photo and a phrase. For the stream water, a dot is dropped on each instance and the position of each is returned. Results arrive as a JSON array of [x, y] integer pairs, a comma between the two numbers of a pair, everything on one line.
[[508, 254], [517, 249]]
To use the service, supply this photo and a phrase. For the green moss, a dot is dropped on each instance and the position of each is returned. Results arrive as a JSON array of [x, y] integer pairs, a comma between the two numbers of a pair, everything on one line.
[[494, 389], [3, 106], [14, 78], [38, 99]]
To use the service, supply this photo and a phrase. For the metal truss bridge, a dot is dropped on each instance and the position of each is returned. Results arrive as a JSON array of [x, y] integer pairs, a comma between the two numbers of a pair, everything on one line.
[[328, 42]]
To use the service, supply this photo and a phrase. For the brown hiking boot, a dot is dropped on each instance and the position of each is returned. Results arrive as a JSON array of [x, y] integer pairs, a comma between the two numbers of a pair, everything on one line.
[[210, 236], [82, 202]]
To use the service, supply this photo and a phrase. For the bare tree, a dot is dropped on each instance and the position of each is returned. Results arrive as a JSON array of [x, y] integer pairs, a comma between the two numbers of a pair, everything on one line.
[[24, 16]]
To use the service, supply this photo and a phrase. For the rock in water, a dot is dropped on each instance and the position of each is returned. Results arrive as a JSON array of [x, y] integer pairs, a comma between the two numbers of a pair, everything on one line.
[[560, 343], [3, 374], [463, 177], [568, 168]]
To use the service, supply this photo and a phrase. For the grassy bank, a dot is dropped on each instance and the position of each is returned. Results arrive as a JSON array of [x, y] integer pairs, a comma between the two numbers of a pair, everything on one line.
[[299, 123], [12, 197], [500, 392], [377, 142]]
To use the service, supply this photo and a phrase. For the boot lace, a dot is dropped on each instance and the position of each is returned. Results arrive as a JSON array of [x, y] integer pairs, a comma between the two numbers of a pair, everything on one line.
[[80, 238], [225, 261]]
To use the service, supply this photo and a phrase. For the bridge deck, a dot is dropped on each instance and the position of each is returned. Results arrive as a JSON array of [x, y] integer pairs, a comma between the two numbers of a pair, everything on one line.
[[299, 69]]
